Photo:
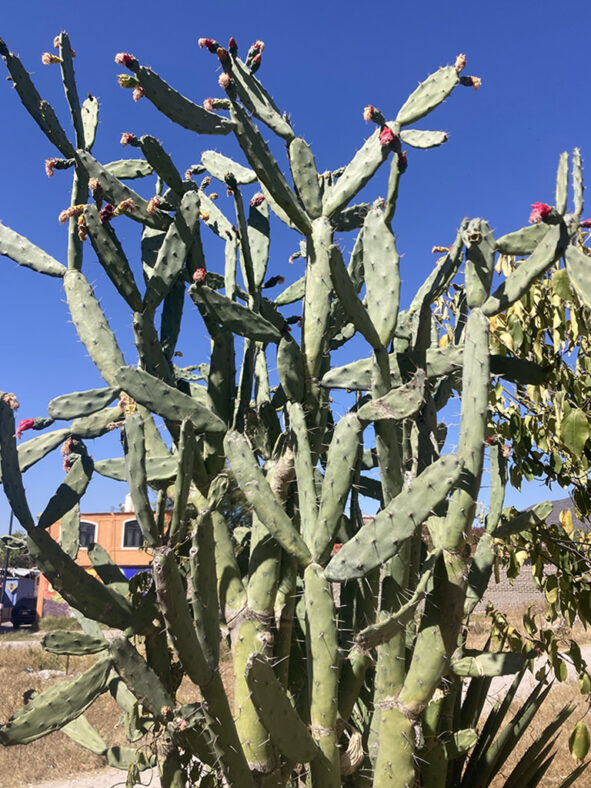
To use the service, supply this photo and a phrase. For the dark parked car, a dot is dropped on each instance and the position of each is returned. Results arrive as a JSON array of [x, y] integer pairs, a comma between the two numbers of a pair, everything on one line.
[[24, 612]]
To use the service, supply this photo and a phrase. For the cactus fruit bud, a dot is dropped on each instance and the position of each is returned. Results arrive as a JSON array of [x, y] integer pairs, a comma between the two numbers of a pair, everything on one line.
[[257, 200], [586, 223], [128, 139], [387, 137], [153, 204], [373, 113], [138, 93], [199, 276], [204, 216], [471, 82], [127, 81], [460, 63], [82, 228], [259, 46], [106, 213], [208, 104], [50, 167], [540, 211], [124, 59], [73, 210], [11, 401], [225, 81], [222, 54], [47, 59], [256, 63], [274, 280], [402, 162], [208, 43], [24, 424], [233, 46], [94, 185]]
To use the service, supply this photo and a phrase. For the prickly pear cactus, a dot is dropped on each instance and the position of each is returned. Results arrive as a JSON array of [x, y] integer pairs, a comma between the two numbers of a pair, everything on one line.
[[346, 636]]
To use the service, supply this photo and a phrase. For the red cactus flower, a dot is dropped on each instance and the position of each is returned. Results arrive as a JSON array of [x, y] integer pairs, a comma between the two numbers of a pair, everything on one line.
[[540, 211], [50, 167], [124, 59], [208, 43], [274, 280], [257, 200], [199, 276], [107, 213], [24, 424], [387, 137]]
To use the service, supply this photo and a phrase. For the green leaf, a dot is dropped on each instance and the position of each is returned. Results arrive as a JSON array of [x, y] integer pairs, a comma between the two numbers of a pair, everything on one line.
[[574, 431]]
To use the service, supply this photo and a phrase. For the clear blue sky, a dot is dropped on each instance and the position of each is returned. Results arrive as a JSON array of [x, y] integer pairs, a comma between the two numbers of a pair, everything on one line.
[[323, 62]]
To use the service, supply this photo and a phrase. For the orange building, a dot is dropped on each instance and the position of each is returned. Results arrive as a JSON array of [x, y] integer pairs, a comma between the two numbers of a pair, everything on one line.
[[120, 535]]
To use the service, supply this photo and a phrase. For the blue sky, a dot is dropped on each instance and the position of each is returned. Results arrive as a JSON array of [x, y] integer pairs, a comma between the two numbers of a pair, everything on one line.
[[323, 62]]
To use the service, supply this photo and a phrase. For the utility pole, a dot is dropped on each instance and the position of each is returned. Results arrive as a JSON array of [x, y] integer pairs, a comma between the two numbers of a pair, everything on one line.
[[5, 568]]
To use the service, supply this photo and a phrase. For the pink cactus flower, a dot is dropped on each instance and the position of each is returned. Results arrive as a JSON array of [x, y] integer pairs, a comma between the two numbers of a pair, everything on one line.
[[94, 185], [208, 104], [540, 210], [199, 276], [153, 205], [460, 63], [50, 167], [124, 59], [127, 206], [259, 46], [257, 200], [127, 138], [47, 59], [368, 112], [24, 424], [387, 137], [73, 210], [225, 81], [138, 93], [476, 83], [506, 451], [11, 401]]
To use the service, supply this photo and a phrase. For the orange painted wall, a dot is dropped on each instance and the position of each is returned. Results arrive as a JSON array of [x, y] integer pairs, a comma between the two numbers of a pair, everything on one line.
[[109, 534]]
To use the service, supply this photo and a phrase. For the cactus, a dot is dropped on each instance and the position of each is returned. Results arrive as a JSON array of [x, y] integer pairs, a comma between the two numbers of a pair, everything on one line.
[[348, 654]]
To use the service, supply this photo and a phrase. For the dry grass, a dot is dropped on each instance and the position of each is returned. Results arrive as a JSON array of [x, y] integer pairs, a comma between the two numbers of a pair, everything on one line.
[[56, 756]]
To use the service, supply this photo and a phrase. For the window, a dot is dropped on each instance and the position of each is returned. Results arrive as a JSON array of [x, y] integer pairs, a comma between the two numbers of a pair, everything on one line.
[[87, 533], [132, 534]]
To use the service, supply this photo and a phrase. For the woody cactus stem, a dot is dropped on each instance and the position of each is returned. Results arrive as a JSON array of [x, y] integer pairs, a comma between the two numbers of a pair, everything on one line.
[[330, 639]]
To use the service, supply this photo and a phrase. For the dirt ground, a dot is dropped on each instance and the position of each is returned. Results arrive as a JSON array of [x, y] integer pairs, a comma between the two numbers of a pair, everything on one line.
[[106, 778]]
